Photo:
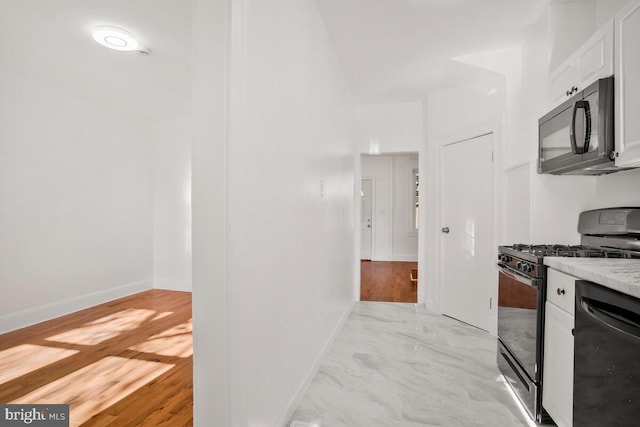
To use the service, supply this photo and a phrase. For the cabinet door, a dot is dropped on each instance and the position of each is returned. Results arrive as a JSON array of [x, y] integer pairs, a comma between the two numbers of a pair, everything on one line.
[[561, 82], [594, 59], [627, 82], [557, 377]]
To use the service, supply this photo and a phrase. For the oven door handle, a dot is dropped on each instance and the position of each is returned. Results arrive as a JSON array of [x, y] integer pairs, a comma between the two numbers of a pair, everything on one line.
[[504, 269], [614, 317]]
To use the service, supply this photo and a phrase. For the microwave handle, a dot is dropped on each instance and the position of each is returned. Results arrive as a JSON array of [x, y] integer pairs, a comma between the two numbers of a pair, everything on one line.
[[587, 134], [587, 131]]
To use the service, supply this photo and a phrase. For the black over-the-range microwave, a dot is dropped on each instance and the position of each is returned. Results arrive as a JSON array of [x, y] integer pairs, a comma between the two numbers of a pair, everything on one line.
[[577, 137]]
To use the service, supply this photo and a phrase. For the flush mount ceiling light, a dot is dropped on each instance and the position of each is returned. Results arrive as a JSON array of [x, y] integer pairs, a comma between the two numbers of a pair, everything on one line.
[[117, 38]]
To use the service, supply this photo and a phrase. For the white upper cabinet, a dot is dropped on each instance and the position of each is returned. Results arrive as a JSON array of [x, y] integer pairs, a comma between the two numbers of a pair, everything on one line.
[[592, 61], [627, 84], [562, 82]]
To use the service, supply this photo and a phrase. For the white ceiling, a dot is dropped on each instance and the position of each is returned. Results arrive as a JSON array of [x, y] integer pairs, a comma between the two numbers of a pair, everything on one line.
[[51, 40], [398, 50], [391, 50]]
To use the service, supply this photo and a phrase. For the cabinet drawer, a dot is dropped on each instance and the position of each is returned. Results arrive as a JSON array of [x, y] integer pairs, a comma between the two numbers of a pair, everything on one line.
[[561, 290]]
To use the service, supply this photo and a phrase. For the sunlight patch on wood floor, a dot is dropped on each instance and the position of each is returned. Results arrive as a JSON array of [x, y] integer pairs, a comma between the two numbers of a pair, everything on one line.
[[95, 387]]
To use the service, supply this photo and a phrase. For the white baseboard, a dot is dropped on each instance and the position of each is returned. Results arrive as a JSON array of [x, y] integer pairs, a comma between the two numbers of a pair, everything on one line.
[[297, 397], [172, 285], [410, 258], [31, 316]]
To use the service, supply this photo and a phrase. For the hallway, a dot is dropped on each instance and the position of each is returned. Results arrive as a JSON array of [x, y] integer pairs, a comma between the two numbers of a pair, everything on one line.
[[396, 365], [388, 281]]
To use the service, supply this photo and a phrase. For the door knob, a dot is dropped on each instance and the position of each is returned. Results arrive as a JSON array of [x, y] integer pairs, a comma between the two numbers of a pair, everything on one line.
[[445, 230]]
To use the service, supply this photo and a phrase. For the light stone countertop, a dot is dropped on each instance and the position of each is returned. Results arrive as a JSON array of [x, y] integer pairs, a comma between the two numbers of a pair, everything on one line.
[[622, 275]]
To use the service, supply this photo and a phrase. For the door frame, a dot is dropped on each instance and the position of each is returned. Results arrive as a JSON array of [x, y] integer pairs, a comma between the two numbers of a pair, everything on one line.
[[373, 210], [434, 254], [422, 188]]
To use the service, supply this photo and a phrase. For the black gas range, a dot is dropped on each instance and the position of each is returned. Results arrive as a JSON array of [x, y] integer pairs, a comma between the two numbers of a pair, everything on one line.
[[528, 259], [605, 233]]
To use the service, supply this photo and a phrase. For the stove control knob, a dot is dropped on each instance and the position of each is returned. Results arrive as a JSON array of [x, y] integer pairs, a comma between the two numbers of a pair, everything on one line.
[[519, 266]]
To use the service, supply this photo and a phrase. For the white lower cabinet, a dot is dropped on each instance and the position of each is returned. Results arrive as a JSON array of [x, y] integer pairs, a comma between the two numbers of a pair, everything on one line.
[[557, 381]]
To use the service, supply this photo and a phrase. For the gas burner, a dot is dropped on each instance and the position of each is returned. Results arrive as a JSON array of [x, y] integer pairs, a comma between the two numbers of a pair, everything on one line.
[[580, 252], [575, 251], [548, 250]]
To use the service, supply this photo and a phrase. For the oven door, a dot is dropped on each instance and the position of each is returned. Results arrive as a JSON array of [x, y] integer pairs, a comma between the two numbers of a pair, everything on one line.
[[519, 317], [555, 151]]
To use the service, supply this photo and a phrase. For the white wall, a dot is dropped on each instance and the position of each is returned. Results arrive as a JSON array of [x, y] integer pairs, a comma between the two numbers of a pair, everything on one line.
[[171, 140], [392, 239], [210, 39], [76, 191], [405, 237], [606, 9], [617, 190], [278, 289], [380, 168], [290, 208], [528, 93], [392, 128], [571, 23], [517, 206]]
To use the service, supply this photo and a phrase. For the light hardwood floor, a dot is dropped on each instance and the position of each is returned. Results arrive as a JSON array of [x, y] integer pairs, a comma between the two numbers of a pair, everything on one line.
[[387, 281], [124, 363]]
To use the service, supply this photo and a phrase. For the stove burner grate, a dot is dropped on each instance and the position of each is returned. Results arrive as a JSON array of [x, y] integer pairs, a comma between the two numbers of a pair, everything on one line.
[[576, 251]]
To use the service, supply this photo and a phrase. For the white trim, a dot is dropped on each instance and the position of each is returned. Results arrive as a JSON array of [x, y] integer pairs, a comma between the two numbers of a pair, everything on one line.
[[357, 217], [412, 232], [405, 257], [373, 217], [31, 316], [422, 157], [172, 284], [299, 394], [517, 165]]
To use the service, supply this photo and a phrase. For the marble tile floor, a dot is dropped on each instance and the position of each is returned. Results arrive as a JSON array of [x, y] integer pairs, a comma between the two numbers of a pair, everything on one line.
[[395, 365]]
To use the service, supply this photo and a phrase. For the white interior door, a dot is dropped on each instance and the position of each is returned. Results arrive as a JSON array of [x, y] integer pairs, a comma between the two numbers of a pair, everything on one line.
[[467, 223], [366, 225]]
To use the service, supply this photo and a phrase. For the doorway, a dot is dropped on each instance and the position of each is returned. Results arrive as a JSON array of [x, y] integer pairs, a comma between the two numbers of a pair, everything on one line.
[[467, 229], [366, 215], [389, 227]]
